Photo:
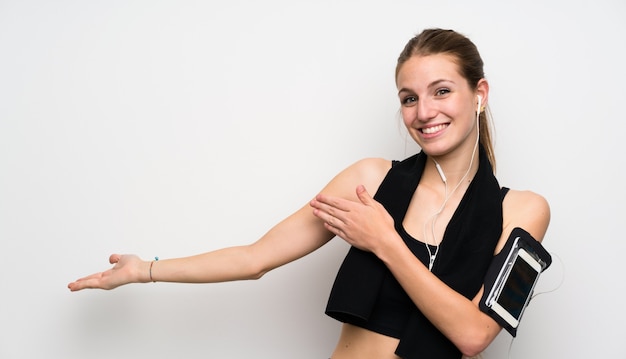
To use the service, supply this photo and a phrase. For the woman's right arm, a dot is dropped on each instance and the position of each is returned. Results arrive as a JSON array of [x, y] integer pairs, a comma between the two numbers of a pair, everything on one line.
[[294, 237]]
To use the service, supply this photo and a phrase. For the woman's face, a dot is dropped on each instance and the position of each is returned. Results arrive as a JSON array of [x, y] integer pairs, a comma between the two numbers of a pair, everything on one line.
[[438, 106]]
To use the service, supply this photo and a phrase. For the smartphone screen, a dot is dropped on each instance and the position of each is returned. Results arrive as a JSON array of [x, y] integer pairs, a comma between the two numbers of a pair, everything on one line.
[[518, 287]]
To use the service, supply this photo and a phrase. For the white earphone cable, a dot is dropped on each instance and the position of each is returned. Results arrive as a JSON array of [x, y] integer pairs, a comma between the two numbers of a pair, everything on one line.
[[435, 215]]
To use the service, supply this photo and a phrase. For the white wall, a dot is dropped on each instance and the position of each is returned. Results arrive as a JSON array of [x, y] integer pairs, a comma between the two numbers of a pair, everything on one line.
[[174, 127]]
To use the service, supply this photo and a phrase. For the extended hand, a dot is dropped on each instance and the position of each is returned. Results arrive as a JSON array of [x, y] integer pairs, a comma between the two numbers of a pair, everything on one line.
[[126, 269], [364, 224]]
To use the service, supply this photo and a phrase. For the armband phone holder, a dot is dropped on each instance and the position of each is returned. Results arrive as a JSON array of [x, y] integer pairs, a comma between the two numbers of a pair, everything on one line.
[[511, 279]]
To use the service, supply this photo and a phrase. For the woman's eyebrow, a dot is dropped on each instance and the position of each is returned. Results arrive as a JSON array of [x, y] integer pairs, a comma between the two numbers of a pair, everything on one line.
[[431, 85], [438, 82]]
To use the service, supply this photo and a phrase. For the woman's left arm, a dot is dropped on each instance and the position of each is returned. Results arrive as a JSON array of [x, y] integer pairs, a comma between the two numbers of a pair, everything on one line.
[[368, 226]]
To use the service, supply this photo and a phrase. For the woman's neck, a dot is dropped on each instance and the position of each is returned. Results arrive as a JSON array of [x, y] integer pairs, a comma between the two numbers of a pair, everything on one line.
[[451, 170]]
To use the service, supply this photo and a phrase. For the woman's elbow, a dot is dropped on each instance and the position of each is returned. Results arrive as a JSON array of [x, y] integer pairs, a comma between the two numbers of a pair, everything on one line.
[[479, 339], [472, 350], [251, 265], [255, 270], [256, 274]]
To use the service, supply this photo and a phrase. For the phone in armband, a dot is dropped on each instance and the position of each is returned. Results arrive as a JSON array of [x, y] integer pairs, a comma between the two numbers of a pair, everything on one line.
[[512, 277]]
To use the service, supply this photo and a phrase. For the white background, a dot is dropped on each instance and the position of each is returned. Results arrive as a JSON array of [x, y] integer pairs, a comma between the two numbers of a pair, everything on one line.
[[171, 128]]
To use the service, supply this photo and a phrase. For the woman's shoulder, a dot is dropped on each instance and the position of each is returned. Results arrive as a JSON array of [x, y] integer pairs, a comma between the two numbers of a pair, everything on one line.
[[373, 164], [368, 172], [528, 210], [525, 200]]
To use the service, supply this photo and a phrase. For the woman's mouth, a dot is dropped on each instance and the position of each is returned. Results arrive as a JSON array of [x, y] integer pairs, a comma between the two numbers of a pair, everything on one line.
[[433, 129]]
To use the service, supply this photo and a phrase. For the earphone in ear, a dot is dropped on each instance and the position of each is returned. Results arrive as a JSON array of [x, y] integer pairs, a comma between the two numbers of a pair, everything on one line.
[[480, 100]]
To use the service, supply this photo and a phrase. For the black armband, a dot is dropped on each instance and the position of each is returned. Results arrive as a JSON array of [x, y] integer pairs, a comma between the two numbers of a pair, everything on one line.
[[511, 279]]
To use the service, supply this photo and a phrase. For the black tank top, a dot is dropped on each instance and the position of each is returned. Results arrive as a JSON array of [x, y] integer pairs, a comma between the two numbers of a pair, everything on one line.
[[367, 294]]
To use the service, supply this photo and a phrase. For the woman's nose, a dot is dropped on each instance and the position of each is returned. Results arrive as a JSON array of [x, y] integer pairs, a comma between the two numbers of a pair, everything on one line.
[[425, 110]]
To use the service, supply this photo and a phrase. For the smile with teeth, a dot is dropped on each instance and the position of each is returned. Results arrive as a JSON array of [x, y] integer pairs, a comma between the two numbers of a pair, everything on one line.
[[434, 129]]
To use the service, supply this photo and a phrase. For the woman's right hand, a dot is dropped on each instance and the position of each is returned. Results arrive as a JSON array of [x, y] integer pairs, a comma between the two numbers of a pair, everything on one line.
[[126, 269]]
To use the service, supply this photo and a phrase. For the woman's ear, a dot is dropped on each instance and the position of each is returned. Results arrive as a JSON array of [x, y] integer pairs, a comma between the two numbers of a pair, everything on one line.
[[482, 92]]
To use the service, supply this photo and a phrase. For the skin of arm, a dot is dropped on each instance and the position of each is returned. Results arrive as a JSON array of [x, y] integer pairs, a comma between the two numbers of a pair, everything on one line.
[[366, 225], [294, 237]]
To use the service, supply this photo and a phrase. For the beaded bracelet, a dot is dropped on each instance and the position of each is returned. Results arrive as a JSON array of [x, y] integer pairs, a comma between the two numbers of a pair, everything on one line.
[[151, 263]]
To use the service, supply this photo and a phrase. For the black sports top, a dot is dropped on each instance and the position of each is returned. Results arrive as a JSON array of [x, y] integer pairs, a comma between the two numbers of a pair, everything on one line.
[[365, 292]]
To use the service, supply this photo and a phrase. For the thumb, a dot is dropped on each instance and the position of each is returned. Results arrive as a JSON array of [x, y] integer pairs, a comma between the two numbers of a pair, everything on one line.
[[363, 195], [114, 258]]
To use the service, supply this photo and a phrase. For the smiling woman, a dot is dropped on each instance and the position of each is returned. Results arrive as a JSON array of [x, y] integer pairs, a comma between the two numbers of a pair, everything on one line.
[[407, 287], [467, 63], [438, 102]]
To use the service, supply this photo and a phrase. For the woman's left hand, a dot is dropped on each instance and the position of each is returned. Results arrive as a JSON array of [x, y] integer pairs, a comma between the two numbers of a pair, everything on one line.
[[364, 224]]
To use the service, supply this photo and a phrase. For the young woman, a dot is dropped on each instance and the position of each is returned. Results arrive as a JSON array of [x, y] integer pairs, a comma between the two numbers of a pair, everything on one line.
[[410, 284]]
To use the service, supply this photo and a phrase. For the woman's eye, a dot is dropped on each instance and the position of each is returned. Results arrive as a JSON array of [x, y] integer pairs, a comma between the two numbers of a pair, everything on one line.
[[442, 91], [409, 100]]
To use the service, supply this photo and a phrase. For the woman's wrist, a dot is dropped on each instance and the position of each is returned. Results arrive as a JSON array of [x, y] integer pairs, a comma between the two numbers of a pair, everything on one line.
[[389, 247], [150, 269], [145, 271]]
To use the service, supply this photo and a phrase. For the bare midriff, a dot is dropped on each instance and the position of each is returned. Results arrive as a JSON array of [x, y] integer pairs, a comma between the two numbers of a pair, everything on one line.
[[358, 343]]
